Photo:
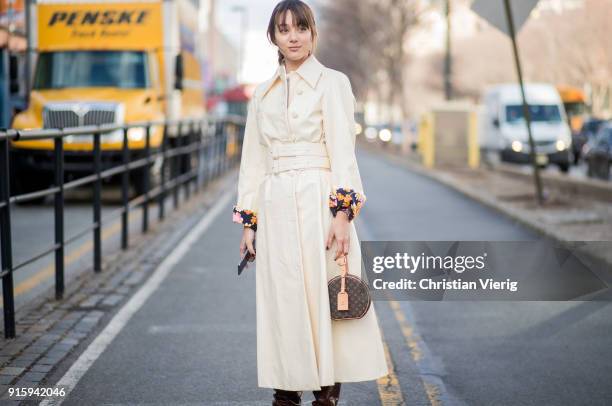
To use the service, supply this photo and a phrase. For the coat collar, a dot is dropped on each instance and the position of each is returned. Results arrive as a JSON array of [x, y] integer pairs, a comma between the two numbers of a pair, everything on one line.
[[310, 70]]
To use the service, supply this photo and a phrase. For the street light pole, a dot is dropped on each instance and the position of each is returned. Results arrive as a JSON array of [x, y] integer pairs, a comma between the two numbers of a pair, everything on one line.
[[29, 47], [212, 27], [243, 30], [526, 112], [448, 87]]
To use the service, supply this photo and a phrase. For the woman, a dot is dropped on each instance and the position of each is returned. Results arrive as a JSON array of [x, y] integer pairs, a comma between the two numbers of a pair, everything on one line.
[[299, 189]]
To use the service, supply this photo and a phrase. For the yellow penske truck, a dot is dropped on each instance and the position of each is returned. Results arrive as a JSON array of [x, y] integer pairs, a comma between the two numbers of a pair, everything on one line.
[[103, 62]]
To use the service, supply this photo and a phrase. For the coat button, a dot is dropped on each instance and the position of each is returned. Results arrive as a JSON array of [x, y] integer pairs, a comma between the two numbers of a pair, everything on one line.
[[294, 115]]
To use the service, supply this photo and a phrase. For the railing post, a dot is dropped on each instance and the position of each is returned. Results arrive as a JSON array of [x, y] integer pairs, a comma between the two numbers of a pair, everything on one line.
[[206, 154], [145, 179], [5, 243], [224, 149], [199, 166], [125, 192], [97, 212], [59, 216], [162, 193], [192, 168], [213, 157], [218, 150], [176, 162], [210, 142], [187, 160]]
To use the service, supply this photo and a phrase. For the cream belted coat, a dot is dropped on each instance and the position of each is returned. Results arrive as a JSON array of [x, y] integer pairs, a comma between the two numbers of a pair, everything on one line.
[[298, 148]]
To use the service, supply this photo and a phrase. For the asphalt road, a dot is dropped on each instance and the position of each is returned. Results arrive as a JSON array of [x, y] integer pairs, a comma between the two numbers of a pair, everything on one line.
[[193, 340]]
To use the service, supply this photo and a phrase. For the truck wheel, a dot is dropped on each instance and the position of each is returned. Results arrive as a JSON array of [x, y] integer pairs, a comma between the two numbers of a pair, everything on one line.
[[137, 177]]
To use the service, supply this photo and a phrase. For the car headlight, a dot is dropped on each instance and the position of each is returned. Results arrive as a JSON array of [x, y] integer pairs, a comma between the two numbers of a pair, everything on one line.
[[517, 146], [561, 145], [384, 135], [136, 133]]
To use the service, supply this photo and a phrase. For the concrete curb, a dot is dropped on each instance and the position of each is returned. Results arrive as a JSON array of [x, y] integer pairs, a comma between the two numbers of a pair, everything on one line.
[[594, 188]]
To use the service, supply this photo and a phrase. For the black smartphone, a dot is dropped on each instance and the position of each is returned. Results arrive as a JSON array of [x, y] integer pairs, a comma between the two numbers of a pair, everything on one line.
[[247, 258]]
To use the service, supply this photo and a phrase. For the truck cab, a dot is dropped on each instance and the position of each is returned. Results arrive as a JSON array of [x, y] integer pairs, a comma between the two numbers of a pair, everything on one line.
[[106, 63]]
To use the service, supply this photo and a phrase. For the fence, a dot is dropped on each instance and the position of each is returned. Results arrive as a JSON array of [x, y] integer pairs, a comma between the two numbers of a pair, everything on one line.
[[198, 153]]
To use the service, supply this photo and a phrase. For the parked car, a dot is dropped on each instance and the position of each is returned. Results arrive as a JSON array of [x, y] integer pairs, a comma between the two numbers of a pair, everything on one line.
[[598, 153], [505, 133], [588, 131]]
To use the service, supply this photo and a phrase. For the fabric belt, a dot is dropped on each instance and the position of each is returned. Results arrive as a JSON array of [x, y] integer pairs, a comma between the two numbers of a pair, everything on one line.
[[297, 155]]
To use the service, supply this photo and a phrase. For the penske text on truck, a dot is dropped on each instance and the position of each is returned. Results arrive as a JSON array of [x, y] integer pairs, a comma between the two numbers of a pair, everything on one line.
[[107, 62]]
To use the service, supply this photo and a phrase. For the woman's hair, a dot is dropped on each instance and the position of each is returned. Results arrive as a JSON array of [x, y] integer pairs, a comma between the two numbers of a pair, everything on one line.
[[302, 15]]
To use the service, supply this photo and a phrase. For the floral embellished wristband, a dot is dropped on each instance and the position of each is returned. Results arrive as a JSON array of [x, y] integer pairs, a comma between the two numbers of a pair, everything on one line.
[[246, 217], [346, 200]]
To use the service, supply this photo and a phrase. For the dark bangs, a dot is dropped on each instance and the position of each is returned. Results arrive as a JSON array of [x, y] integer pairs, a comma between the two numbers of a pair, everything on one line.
[[301, 13]]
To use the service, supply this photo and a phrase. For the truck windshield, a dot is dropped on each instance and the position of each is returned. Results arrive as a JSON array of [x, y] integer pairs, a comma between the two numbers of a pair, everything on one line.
[[538, 112], [64, 69]]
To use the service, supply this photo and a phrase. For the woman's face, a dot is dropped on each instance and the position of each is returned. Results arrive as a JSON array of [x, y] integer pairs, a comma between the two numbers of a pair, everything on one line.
[[294, 42]]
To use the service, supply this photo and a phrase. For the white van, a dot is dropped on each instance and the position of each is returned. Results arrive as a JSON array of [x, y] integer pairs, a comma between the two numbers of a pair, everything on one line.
[[503, 132]]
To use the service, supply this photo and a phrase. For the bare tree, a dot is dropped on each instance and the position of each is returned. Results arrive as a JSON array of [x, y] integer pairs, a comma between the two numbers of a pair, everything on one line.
[[346, 41], [365, 39], [567, 48]]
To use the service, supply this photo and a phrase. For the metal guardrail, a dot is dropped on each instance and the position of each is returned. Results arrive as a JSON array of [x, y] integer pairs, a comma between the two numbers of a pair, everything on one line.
[[204, 140]]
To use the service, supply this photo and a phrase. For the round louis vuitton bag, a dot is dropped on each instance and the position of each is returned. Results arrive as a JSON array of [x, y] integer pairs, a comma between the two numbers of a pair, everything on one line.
[[349, 297]]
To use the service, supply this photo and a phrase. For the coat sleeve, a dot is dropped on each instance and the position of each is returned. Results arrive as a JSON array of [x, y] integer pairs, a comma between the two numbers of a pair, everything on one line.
[[252, 171], [338, 107]]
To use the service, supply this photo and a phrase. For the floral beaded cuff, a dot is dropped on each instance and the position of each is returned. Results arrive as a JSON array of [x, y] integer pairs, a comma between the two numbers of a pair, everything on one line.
[[246, 217], [346, 200]]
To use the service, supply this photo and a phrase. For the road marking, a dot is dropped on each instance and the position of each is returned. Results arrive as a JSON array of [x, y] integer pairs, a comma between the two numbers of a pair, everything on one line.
[[389, 389], [430, 370], [118, 322], [49, 271], [407, 331]]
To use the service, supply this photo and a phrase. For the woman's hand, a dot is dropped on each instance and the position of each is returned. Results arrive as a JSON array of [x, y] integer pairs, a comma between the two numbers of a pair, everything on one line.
[[248, 235], [339, 230]]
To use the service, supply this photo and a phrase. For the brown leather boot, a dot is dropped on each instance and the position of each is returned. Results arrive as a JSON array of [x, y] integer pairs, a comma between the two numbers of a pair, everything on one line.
[[287, 398], [327, 396]]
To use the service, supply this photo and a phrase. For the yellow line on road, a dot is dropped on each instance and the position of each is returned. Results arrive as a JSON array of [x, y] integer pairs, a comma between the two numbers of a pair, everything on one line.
[[389, 389], [415, 351]]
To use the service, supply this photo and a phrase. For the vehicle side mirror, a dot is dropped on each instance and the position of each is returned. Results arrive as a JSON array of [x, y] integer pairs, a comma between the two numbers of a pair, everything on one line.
[[178, 72], [496, 122]]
